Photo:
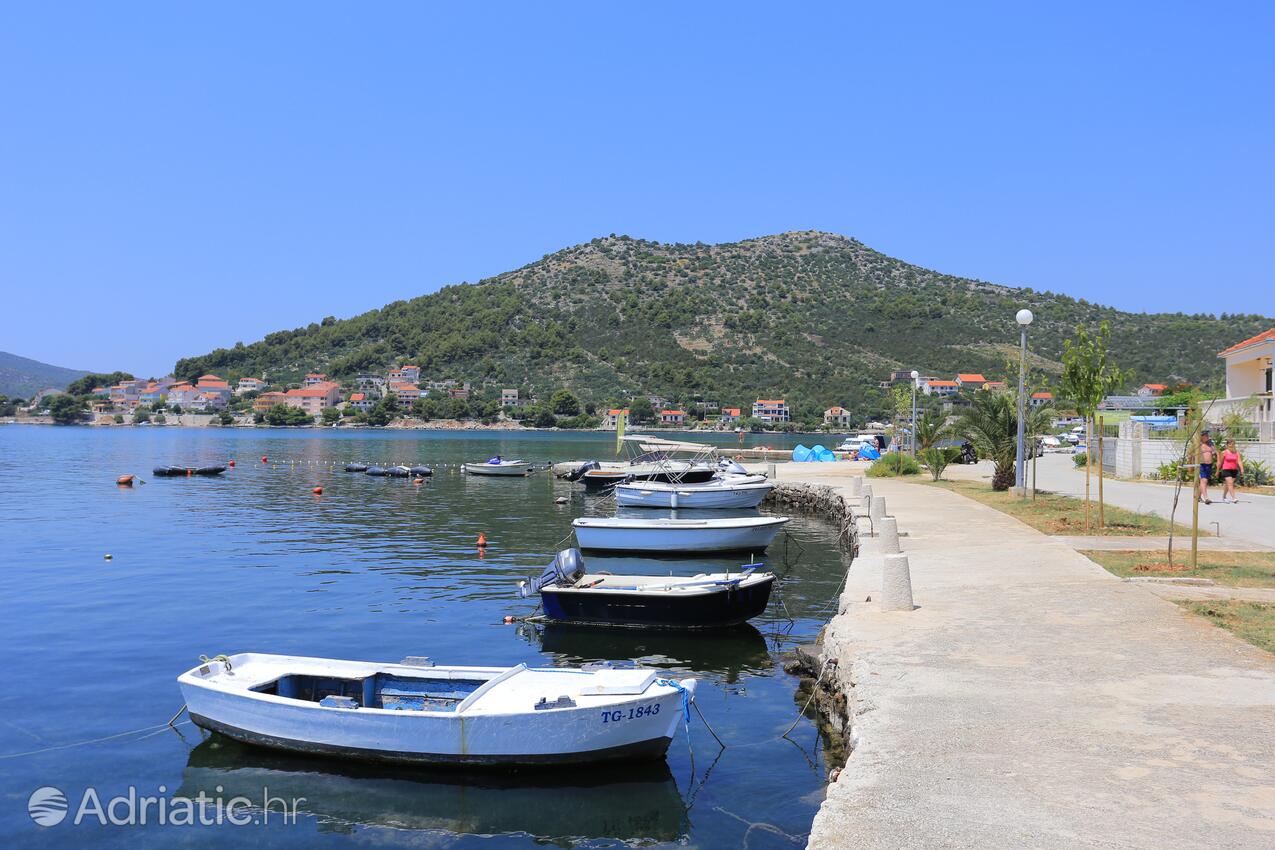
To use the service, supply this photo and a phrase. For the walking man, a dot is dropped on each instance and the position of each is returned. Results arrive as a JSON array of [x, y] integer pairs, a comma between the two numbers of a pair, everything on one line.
[[1208, 452]]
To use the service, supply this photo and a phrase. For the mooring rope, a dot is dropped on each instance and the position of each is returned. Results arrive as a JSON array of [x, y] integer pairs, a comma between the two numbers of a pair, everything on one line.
[[153, 730]]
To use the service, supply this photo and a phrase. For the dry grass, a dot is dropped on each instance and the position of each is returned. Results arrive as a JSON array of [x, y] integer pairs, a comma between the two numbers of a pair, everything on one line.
[[1249, 621], [1234, 569], [1054, 514]]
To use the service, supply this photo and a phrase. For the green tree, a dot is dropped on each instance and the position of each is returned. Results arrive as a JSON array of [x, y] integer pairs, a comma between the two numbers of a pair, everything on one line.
[[141, 415], [285, 414], [1088, 377], [640, 409], [384, 412], [564, 403], [86, 384], [931, 427], [991, 424], [66, 409], [225, 417], [331, 415]]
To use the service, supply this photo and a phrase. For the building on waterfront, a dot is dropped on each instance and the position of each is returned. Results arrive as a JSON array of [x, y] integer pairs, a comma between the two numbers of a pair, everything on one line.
[[838, 416], [265, 401], [771, 410], [672, 417], [363, 401], [247, 385], [509, 398], [729, 417], [1042, 398], [405, 393], [214, 384], [371, 385], [314, 399], [611, 418]]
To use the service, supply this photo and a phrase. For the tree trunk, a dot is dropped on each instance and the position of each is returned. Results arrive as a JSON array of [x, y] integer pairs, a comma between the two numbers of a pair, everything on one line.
[[1088, 465], [1003, 477]]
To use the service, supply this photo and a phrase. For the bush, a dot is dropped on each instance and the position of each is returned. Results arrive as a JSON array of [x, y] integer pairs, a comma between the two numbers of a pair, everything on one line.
[[937, 459], [118, 419], [894, 464], [1256, 474], [1080, 459]]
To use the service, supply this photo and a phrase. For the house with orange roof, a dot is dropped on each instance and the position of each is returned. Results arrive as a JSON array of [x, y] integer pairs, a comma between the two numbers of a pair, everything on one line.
[[943, 389], [672, 417], [970, 380], [406, 374], [407, 394], [363, 401], [728, 416], [1041, 398], [771, 410], [265, 401], [247, 385], [611, 420], [1248, 380], [1152, 390], [213, 384], [314, 378], [313, 400], [838, 416]]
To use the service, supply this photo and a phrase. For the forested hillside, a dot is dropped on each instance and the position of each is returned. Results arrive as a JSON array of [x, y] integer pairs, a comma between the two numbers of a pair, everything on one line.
[[814, 317], [22, 377]]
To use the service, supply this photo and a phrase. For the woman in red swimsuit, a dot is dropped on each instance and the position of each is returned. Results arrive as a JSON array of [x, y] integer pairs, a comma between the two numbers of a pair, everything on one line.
[[1232, 468]]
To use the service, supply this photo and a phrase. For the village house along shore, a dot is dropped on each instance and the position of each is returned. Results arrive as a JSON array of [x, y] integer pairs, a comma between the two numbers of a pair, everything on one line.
[[1032, 699]]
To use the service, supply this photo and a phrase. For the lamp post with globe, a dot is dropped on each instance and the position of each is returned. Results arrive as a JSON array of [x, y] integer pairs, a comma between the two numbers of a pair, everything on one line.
[[1024, 318]]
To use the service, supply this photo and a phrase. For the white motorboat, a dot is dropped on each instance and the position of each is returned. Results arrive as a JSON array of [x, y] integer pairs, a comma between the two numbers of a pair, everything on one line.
[[417, 712], [744, 491], [498, 466], [619, 534]]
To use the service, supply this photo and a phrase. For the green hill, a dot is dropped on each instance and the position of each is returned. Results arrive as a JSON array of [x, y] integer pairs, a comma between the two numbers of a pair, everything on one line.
[[814, 317], [22, 377]]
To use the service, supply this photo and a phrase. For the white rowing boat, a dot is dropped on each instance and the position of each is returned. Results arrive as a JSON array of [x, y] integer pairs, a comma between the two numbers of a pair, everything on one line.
[[417, 712], [719, 494], [619, 534], [499, 466]]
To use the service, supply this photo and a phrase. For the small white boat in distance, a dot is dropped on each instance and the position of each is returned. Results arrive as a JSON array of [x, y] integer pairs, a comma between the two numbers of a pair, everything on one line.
[[499, 466], [721, 494], [735, 534], [415, 712]]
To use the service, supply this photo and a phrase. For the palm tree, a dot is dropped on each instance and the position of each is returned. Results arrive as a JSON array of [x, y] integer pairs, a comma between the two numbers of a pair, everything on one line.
[[991, 424], [930, 428]]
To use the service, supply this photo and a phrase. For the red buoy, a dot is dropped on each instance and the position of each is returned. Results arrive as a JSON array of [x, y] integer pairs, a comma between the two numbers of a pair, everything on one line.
[[125, 481], [232, 463], [263, 458], [318, 491], [482, 540]]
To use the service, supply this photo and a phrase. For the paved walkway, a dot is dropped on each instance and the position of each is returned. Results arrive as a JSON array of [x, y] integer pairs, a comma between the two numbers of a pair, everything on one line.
[[1173, 590], [1035, 700]]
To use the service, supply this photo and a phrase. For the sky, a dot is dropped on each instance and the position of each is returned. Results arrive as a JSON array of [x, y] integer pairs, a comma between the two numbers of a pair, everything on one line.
[[177, 177]]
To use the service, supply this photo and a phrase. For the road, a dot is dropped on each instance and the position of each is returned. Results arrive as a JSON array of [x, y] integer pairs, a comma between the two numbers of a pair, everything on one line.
[[1251, 520]]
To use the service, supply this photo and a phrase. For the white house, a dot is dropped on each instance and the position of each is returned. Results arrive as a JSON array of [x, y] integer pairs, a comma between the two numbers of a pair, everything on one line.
[[1248, 379], [611, 419], [509, 398], [837, 416], [771, 410]]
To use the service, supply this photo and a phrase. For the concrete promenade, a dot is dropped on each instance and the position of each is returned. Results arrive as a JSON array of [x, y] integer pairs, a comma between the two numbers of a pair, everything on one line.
[[1034, 700]]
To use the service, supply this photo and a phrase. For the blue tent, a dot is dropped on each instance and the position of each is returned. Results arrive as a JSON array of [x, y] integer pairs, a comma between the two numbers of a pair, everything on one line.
[[801, 454], [869, 452], [821, 454]]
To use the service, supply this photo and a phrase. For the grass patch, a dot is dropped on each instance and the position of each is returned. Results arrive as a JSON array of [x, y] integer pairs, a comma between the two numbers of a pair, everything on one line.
[[1054, 514], [1250, 621], [1234, 569]]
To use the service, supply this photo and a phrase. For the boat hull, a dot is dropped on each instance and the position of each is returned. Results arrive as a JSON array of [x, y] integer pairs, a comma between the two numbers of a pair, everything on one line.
[[701, 537], [493, 469], [601, 479], [721, 608], [247, 705], [707, 497]]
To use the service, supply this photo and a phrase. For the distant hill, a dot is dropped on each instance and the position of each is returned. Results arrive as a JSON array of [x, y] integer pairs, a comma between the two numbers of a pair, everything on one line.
[[814, 317], [22, 377]]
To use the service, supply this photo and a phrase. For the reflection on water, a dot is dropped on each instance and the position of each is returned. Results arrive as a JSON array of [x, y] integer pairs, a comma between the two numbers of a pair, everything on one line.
[[631, 802], [373, 569]]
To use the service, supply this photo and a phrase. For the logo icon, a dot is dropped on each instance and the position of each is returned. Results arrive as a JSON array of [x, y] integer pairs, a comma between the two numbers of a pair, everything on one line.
[[47, 806]]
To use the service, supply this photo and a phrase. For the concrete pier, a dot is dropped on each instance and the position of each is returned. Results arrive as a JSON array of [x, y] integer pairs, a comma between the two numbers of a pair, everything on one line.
[[1035, 700]]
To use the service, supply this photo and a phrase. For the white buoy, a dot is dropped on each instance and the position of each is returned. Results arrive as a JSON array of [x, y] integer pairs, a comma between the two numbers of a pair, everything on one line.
[[896, 584], [888, 531]]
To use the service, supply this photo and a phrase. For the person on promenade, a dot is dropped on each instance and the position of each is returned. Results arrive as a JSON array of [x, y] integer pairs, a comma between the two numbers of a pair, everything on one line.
[[1207, 453], [1232, 469]]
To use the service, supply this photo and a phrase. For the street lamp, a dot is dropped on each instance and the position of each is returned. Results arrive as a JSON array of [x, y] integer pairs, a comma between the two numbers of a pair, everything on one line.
[[1024, 318], [915, 376]]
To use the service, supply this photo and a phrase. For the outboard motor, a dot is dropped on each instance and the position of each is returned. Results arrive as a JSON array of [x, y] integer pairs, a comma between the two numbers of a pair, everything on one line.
[[566, 569], [580, 470]]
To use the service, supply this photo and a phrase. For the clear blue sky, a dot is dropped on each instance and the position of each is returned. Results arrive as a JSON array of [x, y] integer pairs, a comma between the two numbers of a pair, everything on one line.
[[178, 176]]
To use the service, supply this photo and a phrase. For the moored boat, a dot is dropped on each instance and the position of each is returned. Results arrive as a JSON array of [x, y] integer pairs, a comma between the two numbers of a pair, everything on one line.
[[620, 534], [498, 466], [416, 712], [569, 594], [719, 494]]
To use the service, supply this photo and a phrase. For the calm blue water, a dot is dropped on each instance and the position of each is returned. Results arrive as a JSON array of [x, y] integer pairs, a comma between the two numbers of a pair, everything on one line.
[[373, 569]]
